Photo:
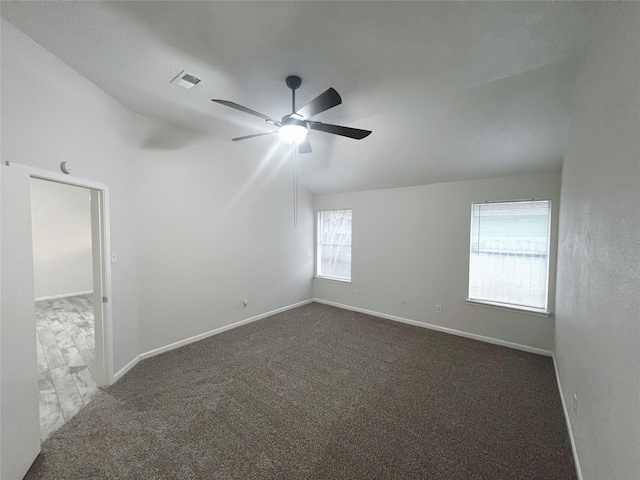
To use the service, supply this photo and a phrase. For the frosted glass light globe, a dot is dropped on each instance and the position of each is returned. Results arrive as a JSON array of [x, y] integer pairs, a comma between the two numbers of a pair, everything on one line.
[[293, 133]]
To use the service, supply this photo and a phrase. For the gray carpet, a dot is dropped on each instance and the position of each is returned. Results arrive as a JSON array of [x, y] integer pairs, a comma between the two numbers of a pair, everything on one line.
[[321, 393]]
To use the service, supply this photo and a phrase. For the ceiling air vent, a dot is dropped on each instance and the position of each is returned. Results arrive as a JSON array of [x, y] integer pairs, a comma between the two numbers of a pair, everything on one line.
[[186, 80]]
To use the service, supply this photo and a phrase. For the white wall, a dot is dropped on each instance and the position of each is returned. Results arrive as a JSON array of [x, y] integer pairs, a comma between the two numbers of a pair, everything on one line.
[[598, 308], [216, 225], [50, 113], [198, 223], [413, 243], [197, 226], [61, 229]]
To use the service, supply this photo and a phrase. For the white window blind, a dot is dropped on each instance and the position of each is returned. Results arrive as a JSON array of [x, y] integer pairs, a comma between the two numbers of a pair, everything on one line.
[[509, 257], [334, 244]]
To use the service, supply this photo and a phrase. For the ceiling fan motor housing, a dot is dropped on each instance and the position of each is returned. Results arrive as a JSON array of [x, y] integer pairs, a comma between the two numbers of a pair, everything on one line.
[[293, 82], [293, 119]]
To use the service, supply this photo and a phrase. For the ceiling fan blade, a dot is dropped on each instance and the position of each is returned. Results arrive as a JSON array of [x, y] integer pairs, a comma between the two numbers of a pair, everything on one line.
[[305, 146], [227, 103], [355, 133], [329, 99], [252, 136]]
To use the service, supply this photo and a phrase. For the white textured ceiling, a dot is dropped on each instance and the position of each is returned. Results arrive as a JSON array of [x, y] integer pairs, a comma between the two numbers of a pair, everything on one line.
[[451, 90]]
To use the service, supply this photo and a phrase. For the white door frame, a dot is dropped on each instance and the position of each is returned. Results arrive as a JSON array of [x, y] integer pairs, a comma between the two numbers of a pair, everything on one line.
[[100, 235], [19, 418]]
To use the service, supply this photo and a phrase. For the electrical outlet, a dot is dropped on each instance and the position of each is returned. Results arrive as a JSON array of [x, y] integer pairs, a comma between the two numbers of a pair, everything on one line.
[[575, 404], [355, 293], [438, 308], [402, 302]]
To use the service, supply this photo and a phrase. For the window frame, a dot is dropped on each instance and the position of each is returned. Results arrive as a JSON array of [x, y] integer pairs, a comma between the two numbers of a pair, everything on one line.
[[317, 249], [544, 312]]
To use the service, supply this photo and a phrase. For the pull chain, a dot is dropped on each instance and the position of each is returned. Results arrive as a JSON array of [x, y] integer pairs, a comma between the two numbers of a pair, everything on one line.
[[295, 185]]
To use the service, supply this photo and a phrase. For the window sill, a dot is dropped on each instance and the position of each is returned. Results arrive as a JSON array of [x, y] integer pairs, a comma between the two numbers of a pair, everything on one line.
[[499, 306], [333, 279]]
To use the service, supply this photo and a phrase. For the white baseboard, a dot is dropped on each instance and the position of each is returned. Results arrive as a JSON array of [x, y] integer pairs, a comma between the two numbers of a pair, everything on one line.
[[481, 338], [120, 373], [64, 295], [202, 336], [451, 331], [460, 333], [567, 421]]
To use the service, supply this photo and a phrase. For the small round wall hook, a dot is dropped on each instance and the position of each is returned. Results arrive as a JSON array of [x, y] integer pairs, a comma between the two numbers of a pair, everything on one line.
[[65, 167]]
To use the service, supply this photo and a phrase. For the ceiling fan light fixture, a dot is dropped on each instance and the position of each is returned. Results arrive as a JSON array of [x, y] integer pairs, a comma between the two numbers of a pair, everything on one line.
[[294, 128], [293, 132]]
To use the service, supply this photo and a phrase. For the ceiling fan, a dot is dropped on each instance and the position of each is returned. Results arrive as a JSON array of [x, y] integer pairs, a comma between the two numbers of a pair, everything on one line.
[[295, 126]]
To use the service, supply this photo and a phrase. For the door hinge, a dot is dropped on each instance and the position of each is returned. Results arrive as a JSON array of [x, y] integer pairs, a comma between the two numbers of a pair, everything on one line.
[[105, 299]]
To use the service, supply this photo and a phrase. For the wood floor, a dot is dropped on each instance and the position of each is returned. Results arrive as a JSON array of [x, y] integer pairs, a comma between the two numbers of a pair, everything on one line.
[[66, 359]]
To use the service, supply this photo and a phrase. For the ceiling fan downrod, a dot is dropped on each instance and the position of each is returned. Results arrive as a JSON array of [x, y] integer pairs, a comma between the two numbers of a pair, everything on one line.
[[293, 82]]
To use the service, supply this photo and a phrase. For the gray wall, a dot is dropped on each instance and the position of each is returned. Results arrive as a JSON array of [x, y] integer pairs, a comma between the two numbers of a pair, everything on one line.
[[413, 243], [61, 223], [598, 307]]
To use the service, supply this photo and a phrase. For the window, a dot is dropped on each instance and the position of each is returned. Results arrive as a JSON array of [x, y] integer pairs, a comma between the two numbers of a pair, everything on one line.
[[334, 244], [509, 254]]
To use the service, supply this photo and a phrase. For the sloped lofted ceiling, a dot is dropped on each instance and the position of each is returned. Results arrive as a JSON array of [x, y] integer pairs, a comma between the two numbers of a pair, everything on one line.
[[451, 90]]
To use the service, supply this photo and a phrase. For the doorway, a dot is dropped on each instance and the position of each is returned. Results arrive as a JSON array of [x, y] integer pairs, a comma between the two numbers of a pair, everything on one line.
[[20, 432], [63, 286]]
